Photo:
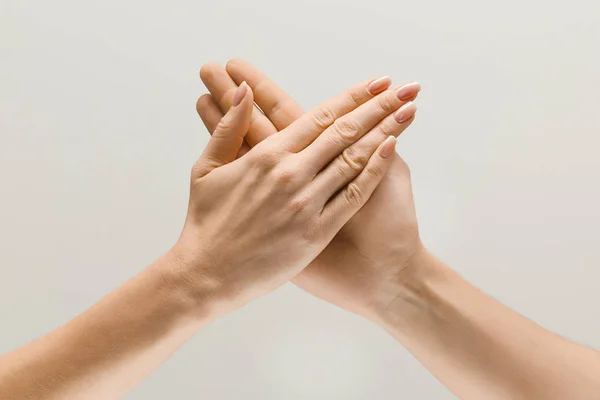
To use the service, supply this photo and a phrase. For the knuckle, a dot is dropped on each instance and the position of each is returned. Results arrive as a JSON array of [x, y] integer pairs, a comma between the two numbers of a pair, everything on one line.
[[323, 117], [298, 204], [346, 129], [355, 160], [353, 194], [356, 95], [340, 167], [387, 129], [197, 169], [387, 104], [266, 159], [280, 105], [223, 126], [374, 171], [284, 176], [200, 168]]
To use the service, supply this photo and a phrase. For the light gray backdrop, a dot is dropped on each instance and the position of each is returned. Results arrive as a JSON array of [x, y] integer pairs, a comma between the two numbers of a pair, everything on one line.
[[98, 133]]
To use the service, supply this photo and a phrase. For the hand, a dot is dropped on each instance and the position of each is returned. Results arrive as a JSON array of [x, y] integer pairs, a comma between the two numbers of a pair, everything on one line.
[[255, 222], [361, 269]]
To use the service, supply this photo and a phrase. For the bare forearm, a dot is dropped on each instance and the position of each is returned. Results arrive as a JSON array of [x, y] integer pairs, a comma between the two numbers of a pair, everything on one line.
[[112, 346], [481, 349]]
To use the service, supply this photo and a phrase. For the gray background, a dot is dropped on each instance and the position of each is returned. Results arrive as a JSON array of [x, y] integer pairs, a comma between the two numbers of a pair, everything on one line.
[[98, 133]]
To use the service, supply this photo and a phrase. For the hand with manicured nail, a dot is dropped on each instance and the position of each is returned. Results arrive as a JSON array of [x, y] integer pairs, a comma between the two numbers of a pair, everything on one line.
[[255, 222], [360, 267], [376, 266], [320, 198]]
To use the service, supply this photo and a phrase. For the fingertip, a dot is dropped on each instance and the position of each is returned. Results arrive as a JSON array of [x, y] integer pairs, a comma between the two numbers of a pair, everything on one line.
[[408, 123], [406, 112], [208, 70], [243, 94], [239, 95], [387, 147], [249, 93], [408, 91], [203, 102], [416, 86], [379, 85], [234, 64]]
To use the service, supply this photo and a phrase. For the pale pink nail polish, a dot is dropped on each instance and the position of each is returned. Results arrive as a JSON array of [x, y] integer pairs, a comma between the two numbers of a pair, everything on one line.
[[379, 85], [405, 112], [408, 91], [240, 93], [388, 147]]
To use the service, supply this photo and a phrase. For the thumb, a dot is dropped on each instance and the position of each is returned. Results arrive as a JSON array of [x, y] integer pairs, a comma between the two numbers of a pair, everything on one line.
[[228, 137]]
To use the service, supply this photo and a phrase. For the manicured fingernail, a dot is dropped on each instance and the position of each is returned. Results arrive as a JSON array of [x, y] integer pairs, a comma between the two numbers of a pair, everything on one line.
[[240, 93], [408, 91], [405, 112], [379, 85], [388, 147]]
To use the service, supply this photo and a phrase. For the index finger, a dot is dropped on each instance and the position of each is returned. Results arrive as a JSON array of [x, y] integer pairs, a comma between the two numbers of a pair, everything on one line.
[[277, 105], [222, 88], [310, 125]]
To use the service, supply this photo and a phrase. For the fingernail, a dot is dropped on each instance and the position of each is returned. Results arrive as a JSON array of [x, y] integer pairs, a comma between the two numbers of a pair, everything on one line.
[[405, 112], [240, 93], [379, 85], [408, 91], [388, 147]]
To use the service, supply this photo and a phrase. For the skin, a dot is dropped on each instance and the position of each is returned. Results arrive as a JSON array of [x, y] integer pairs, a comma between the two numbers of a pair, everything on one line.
[[296, 186], [354, 271], [377, 267], [295, 189]]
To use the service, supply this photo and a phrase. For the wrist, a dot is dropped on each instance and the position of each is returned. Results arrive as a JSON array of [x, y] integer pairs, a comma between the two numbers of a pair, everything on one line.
[[415, 292], [192, 279]]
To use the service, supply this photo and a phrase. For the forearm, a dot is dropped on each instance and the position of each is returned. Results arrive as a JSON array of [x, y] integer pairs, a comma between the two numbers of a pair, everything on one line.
[[479, 348], [112, 346]]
